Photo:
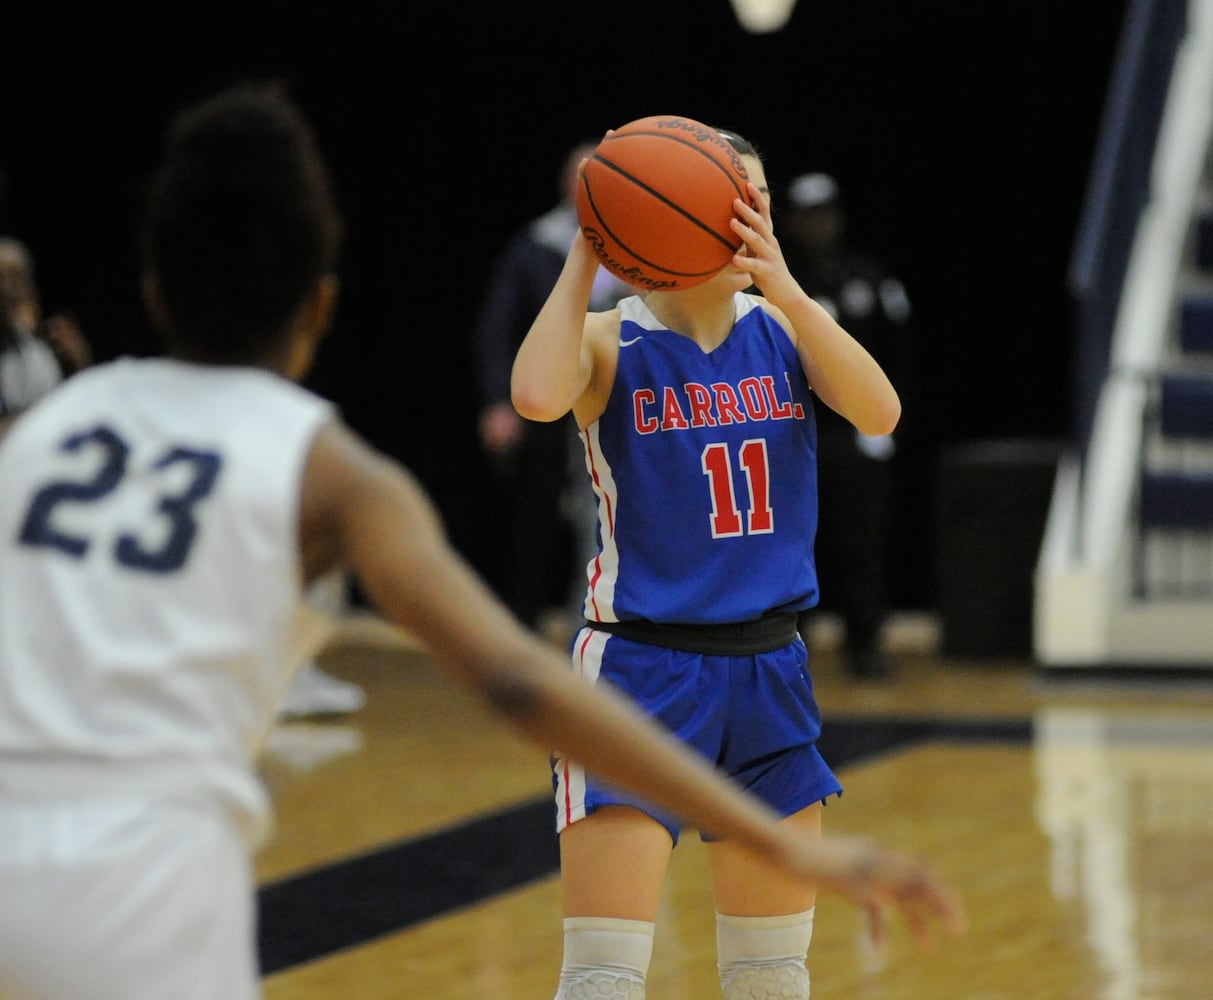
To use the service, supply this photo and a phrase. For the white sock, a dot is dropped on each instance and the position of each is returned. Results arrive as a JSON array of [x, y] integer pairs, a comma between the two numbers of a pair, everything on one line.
[[605, 957], [763, 958]]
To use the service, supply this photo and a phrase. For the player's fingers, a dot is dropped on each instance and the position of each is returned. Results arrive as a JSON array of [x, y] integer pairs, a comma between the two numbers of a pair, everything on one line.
[[878, 925], [923, 898], [949, 908], [750, 215], [930, 905], [919, 923], [921, 888], [761, 200], [758, 241]]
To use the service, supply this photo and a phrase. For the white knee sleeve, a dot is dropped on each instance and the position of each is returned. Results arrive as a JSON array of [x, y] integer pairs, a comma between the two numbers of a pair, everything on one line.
[[763, 958], [605, 958]]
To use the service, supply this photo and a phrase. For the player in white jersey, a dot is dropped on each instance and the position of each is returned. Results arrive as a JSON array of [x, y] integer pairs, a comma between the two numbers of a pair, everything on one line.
[[160, 522]]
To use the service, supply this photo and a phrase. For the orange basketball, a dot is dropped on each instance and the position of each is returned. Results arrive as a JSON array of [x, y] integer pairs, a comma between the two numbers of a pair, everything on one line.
[[655, 201]]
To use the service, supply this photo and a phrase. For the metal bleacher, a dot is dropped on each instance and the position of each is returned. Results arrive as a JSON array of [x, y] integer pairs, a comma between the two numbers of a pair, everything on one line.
[[1175, 500], [1125, 572]]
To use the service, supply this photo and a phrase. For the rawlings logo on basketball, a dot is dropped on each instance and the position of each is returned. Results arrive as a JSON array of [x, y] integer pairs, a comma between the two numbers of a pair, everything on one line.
[[630, 273], [656, 201], [703, 133]]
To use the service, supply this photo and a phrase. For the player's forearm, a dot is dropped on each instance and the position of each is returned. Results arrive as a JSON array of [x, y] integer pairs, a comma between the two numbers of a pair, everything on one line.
[[549, 372], [842, 372]]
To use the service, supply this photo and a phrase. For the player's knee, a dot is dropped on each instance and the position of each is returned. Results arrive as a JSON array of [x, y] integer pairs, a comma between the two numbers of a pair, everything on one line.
[[605, 959], [763, 958]]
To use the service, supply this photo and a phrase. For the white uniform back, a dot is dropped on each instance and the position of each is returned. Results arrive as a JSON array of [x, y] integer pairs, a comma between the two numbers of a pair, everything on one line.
[[151, 603], [151, 613]]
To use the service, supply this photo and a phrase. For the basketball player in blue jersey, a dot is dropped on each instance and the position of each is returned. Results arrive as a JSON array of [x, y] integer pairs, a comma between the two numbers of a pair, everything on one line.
[[160, 521], [696, 409]]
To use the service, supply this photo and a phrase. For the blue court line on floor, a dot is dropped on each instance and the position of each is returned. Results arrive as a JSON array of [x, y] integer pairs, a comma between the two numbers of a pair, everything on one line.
[[316, 913]]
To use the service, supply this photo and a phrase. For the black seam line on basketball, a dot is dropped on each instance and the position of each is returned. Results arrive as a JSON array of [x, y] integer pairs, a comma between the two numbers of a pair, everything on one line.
[[682, 140], [644, 260], [662, 198], [312, 914]]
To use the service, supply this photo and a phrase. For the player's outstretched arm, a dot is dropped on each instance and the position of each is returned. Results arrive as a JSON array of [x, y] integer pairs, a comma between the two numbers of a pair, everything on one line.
[[365, 512]]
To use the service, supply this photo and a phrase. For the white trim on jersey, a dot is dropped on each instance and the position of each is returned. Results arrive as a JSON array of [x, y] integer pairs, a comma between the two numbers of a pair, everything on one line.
[[570, 776], [600, 595]]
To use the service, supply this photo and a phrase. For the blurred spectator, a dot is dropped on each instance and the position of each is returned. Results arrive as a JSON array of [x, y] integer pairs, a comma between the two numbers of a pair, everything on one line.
[[548, 531], [36, 352], [859, 476]]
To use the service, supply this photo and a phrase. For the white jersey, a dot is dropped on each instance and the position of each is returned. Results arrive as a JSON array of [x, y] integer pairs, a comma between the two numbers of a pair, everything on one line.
[[152, 607]]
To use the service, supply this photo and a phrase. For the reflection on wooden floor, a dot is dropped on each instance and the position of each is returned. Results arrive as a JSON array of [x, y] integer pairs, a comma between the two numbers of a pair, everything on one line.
[[414, 856]]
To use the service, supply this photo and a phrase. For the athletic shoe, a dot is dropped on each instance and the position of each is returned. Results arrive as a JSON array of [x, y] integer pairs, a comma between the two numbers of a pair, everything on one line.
[[313, 692]]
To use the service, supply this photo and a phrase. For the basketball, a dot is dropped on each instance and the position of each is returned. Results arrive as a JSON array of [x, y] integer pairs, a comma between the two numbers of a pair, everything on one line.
[[655, 201]]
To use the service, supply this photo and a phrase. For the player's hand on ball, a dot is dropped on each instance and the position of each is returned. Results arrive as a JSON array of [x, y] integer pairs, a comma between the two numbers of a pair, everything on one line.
[[761, 254]]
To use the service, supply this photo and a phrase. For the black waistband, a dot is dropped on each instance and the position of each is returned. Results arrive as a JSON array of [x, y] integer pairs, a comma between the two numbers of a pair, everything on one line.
[[770, 632]]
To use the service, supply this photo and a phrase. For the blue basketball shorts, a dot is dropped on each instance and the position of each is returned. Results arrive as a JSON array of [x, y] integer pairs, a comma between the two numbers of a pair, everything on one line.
[[754, 716]]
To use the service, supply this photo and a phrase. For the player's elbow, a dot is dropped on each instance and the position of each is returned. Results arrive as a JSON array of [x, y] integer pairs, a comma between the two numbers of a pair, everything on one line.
[[534, 401], [881, 418], [889, 416]]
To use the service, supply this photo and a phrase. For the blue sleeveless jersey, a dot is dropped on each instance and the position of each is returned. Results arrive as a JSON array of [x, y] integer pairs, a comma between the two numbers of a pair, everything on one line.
[[705, 472]]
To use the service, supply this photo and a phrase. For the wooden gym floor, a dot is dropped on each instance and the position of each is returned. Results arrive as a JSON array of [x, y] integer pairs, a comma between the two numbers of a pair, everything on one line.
[[414, 858]]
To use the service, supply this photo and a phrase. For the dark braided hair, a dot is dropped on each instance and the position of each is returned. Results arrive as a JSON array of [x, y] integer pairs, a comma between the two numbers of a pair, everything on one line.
[[239, 224]]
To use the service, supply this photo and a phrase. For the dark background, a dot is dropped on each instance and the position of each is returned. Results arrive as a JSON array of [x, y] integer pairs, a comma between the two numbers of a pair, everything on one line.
[[962, 133]]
